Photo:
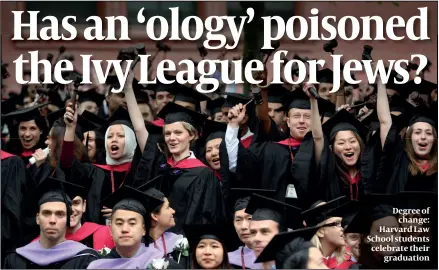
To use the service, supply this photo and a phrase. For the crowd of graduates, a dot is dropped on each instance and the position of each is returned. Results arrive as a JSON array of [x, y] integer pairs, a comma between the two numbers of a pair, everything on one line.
[[162, 176]]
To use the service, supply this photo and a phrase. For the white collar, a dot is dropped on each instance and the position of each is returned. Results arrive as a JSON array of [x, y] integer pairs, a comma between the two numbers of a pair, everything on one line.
[[248, 134]]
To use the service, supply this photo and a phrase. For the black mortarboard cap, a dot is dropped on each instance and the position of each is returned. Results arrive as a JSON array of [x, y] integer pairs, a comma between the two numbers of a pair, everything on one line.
[[373, 123], [233, 99], [277, 93], [26, 114], [316, 215], [93, 118], [423, 114], [120, 116], [188, 94], [150, 188], [141, 96], [196, 232], [213, 130], [131, 199], [56, 190], [175, 113], [297, 99], [214, 106], [341, 121], [325, 76], [425, 87], [90, 95], [56, 115], [264, 208], [279, 241], [241, 196]]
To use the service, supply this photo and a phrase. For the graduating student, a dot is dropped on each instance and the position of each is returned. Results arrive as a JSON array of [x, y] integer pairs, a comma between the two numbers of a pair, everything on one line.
[[90, 234], [163, 95], [409, 164], [191, 187], [90, 100], [269, 218], [293, 250], [270, 162], [14, 190], [161, 220], [213, 136], [208, 246], [53, 251], [27, 130], [128, 228], [329, 239], [93, 138], [100, 180], [244, 257]]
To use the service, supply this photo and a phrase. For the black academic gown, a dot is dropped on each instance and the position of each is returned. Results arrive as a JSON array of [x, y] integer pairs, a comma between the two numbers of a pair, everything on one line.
[[191, 187], [267, 165], [80, 261], [98, 180], [393, 168], [14, 189]]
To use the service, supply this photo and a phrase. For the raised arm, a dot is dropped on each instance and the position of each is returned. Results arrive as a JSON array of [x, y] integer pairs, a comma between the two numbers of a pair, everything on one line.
[[135, 114], [316, 125], [383, 111], [236, 114]]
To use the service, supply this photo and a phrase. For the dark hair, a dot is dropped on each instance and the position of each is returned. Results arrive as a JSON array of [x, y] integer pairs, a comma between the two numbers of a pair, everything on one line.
[[57, 137], [100, 153], [224, 264], [340, 167], [14, 145]]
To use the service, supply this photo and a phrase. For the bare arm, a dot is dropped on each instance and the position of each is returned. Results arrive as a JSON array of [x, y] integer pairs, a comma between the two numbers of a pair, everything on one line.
[[383, 111], [135, 114], [316, 126]]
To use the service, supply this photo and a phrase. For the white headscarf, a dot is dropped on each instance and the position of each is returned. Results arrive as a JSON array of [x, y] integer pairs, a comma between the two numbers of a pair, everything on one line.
[[128, 150]]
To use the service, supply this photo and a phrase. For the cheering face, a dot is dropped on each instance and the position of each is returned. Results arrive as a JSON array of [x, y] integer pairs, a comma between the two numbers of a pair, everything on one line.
[[333, 234], [127, 228], [299, 123], [315, 259], [242, 226], [52, 220], [88, 106], [353, 240], [347, 147], [29, 134], [209, 253], [78, 209], [261, 233], [422, 139], [177, 138], [212, 153], [165, 218], [115, 141], [91, 148], [278, 117], [162, 98]]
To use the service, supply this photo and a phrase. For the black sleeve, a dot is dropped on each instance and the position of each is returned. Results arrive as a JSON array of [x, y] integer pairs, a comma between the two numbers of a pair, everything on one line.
[[146, 168], [14, 189], [206, 202]]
